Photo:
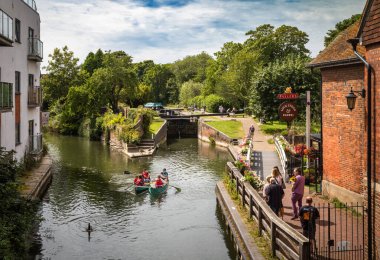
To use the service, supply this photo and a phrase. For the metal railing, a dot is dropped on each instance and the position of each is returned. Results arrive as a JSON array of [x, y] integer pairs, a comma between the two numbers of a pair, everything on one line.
[[35, 144], [284, 239], [34, 96], [36, 48], [6, 96], [6, 26], [32, 4], [282, 156]]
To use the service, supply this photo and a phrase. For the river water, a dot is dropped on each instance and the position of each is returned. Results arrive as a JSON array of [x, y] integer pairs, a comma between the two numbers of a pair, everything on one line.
[[89, 187]]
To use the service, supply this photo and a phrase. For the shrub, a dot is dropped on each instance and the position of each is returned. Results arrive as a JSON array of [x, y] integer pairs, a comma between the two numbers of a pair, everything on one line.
[[198, 101], [244, 151], [213, 102], [253, 179], [212, 140]]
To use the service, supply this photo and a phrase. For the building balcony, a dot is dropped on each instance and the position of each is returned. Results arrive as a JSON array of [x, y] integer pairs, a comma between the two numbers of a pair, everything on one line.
[[35, 144], [35, 50], [34, 96], [32, 4], [6, 30], [6, 96]]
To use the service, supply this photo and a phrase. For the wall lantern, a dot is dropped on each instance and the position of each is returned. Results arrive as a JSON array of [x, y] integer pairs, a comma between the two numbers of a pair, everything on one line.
[[351, 98]]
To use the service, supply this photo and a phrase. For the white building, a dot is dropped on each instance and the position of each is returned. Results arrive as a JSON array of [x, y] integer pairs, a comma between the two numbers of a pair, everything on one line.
[[21, 52]]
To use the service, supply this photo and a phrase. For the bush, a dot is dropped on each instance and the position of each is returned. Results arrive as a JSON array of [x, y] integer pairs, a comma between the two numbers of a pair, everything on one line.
[[213, 102], [198, 101], [212, 140], [18, 215]]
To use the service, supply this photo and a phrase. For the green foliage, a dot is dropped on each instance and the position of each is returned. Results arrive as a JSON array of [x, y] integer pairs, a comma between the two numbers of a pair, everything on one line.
[[62, 73], [339, 27], [188, 91], [191, 68], [198, 101], [212, 140], [253, 179], [93, 61], [17, 214], [274, 78], [213, 102]]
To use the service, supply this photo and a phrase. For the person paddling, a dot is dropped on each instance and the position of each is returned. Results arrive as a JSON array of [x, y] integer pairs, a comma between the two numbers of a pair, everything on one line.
[[165, 175], [159, 183], [146, 176], [139, 181]]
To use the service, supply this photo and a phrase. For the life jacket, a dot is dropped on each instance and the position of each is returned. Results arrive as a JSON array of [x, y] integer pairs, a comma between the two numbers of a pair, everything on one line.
[[137, 181], [146, 175], [159, 183]]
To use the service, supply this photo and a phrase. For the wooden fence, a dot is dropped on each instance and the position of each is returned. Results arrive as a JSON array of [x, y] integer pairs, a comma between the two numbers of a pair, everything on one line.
[[285, 241]]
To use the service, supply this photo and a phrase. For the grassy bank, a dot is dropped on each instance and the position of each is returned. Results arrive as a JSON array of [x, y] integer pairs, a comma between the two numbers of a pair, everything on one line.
[[233, 129]]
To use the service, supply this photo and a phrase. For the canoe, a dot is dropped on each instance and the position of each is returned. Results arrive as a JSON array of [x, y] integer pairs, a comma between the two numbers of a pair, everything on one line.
[[141, 189], [157, 191]]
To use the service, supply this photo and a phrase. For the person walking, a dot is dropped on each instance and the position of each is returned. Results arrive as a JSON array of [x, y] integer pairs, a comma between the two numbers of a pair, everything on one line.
[[275, 194], [297, 192], [308, 215]]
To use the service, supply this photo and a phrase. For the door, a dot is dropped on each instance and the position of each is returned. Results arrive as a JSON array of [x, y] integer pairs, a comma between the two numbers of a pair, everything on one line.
[[31, 135]]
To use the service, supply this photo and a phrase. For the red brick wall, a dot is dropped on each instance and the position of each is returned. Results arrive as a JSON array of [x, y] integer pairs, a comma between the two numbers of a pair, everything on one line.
[[343, 135], [373, 57]]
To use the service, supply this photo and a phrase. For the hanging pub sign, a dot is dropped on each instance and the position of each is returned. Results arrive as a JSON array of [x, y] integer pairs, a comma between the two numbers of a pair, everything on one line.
[[288, 94], [287, 111]]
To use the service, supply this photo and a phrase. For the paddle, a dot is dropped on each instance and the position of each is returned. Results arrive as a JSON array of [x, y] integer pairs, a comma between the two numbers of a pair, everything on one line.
[[177, 188]]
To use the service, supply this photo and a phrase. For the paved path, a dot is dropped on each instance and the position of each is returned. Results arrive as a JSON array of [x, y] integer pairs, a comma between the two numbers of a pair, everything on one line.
[[343, 226]]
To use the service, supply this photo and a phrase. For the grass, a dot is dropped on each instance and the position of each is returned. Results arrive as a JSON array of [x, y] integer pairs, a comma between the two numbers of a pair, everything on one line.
[[154, 126], [233, 129], [278, 127]]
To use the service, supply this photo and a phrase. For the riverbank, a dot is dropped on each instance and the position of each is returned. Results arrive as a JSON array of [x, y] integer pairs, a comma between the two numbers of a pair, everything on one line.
[[35, 182]]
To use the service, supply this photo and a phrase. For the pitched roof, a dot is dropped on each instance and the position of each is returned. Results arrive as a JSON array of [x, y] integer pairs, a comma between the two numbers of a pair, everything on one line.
[[365, 15], [339, 52]]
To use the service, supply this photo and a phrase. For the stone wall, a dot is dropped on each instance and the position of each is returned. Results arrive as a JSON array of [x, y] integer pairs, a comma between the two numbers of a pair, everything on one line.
[[343, 135], [206, 132]]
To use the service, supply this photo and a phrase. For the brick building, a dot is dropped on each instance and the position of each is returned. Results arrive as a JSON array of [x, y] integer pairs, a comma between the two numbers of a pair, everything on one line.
[[344, 132], [343, 137]]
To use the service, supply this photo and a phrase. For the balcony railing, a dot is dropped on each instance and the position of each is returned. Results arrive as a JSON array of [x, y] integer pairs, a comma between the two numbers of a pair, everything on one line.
[[34, 96], [6, 29], [35, 144], [32, 4], [6, 96], [35, 50]]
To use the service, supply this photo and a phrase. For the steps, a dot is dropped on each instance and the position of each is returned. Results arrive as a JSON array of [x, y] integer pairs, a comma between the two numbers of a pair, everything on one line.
[[145, 144]]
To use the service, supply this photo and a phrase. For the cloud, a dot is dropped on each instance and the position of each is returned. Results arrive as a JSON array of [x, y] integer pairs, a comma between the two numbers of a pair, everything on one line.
[[167, 30]]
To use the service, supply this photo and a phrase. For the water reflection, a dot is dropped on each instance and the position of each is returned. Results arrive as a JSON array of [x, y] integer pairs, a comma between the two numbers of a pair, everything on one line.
[[89, 187]]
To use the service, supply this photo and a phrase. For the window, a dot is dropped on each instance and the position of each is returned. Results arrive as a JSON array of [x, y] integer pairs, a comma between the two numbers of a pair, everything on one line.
[[31, 80], [17, 82], [17, 132], [18, 31]]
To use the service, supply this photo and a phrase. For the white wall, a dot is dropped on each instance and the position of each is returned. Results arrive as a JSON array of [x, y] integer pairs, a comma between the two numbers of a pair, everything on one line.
[[16, 59]]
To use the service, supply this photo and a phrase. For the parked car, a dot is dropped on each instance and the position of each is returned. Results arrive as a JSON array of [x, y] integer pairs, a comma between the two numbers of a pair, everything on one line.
[[154, 106]]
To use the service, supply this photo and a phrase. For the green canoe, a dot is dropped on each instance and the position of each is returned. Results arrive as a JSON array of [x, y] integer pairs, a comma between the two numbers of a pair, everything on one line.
[[157, 191], [141, 189]]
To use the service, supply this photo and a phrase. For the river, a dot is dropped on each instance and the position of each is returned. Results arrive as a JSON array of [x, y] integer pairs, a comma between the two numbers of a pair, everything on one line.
[[89, 187]]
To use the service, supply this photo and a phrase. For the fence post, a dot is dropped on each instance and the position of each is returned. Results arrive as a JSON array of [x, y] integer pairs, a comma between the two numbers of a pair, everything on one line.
[[237, 185], [305, 251], [273, 238], [250, 205], [260, 219], [243, 196]]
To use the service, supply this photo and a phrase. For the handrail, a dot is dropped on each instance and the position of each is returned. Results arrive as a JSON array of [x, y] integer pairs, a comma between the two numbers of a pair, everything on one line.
[[284, 239], [282, 156]]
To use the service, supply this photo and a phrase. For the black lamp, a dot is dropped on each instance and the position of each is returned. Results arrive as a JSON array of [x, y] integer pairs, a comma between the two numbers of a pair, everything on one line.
[[351, 98]]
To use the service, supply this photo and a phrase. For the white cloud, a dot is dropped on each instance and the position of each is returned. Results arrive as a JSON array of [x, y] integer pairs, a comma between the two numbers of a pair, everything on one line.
[[168, 33]]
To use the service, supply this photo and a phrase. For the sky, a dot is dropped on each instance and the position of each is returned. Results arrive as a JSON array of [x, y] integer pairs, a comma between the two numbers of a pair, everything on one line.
[[167, 30]]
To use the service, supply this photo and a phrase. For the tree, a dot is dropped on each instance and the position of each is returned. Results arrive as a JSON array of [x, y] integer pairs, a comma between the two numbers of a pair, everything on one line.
[[339, 27], [191, 68], [157, 77], [114, 82], [274, 78], [188, 91], [62, 73], [93, 61], [272, 44]]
